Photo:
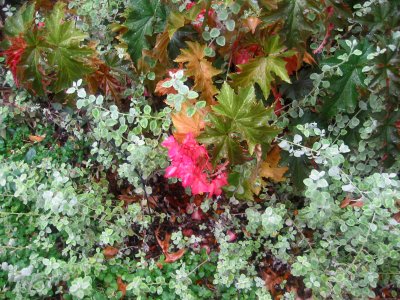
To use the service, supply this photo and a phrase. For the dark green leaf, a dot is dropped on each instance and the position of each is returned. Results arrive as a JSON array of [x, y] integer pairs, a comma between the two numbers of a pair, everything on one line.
[[297, 27], [145, 18], [344, 88], [239, 117]]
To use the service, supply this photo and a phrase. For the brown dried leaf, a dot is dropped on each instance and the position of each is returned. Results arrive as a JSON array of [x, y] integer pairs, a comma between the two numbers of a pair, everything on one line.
[[160, 48], [269, 168], [396, 216], [352, 202], [128, 199], [172, 257], [109, 252], [200, 68], [121, 286], [164, 244]]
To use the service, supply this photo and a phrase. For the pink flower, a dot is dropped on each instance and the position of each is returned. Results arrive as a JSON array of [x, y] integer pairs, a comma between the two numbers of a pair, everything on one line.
[[190, 162]]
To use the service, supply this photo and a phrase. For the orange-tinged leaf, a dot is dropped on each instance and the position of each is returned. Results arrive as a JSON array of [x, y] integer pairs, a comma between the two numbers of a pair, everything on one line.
[[159, 265], [307, 58], [109, 252], [200, 68], [36, 138], [160, 48], [164, 244], [172, 257], [121, 286], [252, 23], [267, 169], [185, 124], [270, 169]]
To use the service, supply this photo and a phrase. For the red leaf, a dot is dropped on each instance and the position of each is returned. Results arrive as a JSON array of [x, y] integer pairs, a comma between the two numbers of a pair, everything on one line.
[[243, 55], [278, 104], [292, 64], [13, 55]]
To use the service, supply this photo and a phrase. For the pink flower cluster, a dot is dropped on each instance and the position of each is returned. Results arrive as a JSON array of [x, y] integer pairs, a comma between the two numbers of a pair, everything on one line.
[[190, 162]]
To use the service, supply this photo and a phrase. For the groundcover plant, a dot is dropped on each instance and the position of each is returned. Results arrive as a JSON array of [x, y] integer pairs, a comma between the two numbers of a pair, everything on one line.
[[232, 149]]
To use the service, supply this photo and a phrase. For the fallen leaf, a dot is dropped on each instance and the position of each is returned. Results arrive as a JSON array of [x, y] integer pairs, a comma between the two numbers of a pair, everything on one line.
[[352, 202], [109, 252], [200, 68], [396, 216], [128, 199], [36, 138], [185, 124], [164, 244], [121, 286], [172, 257], [271, 279]]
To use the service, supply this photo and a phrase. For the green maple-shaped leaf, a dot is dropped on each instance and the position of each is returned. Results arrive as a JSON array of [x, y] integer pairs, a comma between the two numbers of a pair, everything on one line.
[[238, 117], [145, 18], [297, 16], [66, 55], [222, 139], [344, 88], [20, 21], [32, 73], [263, 70]]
